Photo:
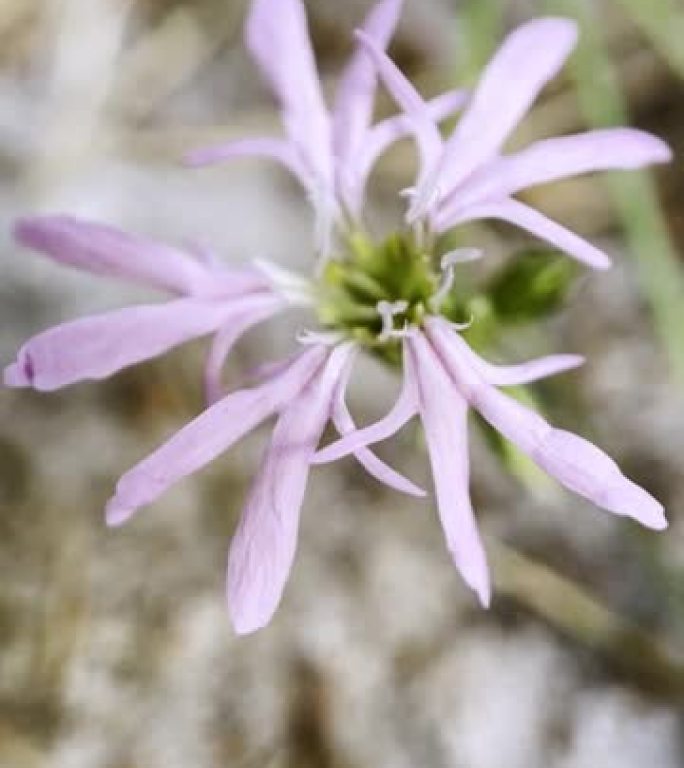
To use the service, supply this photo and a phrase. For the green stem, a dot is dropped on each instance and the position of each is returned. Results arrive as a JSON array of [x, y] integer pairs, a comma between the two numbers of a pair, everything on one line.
[[574, 612]]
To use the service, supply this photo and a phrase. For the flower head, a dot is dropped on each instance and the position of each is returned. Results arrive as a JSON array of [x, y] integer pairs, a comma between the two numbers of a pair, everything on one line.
[[392, 298]]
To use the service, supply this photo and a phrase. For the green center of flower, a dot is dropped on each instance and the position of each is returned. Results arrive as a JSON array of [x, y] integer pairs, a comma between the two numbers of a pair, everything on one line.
[[395, 275]]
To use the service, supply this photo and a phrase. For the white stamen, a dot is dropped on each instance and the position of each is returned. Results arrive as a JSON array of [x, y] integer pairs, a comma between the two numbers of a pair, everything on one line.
[[460, 256], [422, 201], [448, 263], [295, 288], [463, 326], [387, 311]]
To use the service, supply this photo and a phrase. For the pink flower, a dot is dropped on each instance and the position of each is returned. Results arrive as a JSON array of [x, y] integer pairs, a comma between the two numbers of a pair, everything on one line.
[[374, 294], [331, 152], [307, 393], [208, 299], [467, 178], [442, 378]]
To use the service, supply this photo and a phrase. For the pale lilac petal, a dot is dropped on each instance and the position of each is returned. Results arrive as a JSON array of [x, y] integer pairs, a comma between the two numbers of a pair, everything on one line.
[[385, 133], [98, 346], [207, 436], [356, 90], [344, 423], [528, 59], [444, 413], [263, 548], [404, 410], [501, 375], [104, 250], [264, 371], [255, 310], [521, 215], [278, 38], [561, 158], [572, 460], [279, 150], [427, 135]]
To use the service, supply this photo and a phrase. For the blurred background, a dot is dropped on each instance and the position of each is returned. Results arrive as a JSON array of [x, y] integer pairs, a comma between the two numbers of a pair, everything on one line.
[[115, 646]]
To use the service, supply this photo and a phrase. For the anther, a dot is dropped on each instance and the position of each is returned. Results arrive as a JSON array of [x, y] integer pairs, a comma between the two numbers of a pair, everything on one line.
[[447, 263], [388, 310]]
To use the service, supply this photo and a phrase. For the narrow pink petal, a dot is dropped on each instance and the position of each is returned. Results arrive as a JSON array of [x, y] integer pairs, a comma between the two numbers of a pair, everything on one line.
[[263, 548], [404, 410], [104, 250], [521, 215], [528, 59], [444, 413], [561, 158], [572, 460], [279, 150], [264, 371], [255, 310], [344, 423], [356, 90], [278, 38], [427, 135], [501, 375], [207, 436], [385, 133], [98, 346]]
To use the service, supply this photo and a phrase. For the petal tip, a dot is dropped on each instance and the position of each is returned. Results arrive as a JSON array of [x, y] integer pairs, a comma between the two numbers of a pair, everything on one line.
[[244, 624], [196, 158], [116, 513], [653, 517], [602, 264], [484, 595], [15, 377]]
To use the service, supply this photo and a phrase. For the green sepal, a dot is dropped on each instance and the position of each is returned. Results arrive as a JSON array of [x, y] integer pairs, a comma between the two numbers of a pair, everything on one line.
[[532, 285]]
